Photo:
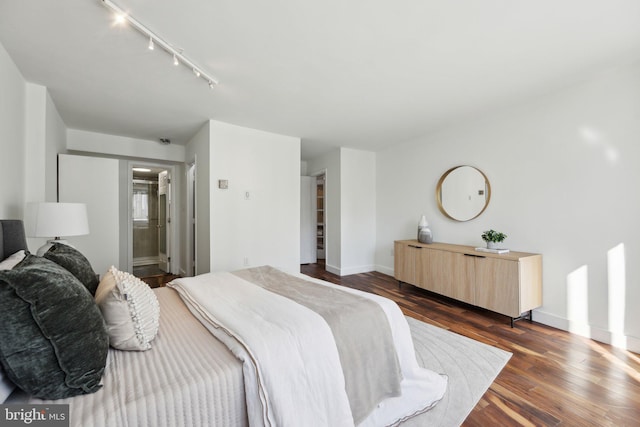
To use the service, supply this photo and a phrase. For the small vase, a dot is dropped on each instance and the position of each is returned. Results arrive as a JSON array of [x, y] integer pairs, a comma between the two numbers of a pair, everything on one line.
[[493, 245], [425, 235], [424, 232]]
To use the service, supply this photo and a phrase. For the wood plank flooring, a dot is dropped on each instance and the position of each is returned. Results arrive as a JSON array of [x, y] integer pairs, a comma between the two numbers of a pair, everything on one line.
[[153, 276], [554, 378]]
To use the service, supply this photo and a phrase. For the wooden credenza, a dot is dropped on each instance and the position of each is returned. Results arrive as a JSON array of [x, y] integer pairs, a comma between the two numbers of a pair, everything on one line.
[[509, 284]]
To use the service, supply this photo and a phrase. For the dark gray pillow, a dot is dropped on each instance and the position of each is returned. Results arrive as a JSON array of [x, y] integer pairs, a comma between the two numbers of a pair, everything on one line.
[[53, 341], [71, 259]]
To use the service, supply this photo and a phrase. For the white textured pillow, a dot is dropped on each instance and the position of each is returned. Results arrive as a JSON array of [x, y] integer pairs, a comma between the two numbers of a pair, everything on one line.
[[130, 310], [12, 261]]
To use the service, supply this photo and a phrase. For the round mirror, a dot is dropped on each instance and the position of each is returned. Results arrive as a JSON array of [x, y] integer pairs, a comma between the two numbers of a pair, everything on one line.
[[463, 193]]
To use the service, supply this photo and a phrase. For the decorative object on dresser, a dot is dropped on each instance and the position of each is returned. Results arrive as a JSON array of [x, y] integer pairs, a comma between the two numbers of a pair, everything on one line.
[[424, 232], [493, 239], [463, 193], [509, 284], [56, 220]]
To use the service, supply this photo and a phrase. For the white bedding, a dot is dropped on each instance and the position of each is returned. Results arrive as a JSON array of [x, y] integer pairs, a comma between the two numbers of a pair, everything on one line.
[[421, 388], [279, 342], [277, 380], [185, 379]]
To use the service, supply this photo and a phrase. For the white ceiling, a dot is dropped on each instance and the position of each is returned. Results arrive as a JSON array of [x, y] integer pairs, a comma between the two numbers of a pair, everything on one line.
[[357, 73]]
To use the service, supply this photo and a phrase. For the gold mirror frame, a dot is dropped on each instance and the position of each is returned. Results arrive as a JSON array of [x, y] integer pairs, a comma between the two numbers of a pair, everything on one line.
[[439, 193]]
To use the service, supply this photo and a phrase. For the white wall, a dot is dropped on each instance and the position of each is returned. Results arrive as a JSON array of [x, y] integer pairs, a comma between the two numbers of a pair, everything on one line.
[[564, 170], [31, 135], [122, 146], [94, 181], [330, 164], [45, 137], [12, 129], [145, 152], [265, 228], [35, 143], [358, 207], [56, 143], [197, 151], [350, 209]]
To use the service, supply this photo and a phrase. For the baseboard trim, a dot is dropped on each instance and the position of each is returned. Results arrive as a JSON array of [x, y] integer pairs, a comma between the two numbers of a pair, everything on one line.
[[350, 270], [625, 342], [331, 269], [385, 270], [145, 261], [357, 270]]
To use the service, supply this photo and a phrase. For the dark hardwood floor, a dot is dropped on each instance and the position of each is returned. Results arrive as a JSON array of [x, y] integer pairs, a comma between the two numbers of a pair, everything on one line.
[[153, 276], [554, 378]]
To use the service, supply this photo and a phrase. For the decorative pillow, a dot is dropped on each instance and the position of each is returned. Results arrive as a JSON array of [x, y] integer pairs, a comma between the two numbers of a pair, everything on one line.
[[6, 386], [130, 308], [53, 341], [13, 260], [71, 259]]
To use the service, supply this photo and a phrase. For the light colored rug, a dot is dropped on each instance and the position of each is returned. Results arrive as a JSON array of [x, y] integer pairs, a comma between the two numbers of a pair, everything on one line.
[[470, 365]]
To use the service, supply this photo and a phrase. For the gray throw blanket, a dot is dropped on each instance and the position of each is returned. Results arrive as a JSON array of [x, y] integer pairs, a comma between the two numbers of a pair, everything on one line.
[[361, 331]]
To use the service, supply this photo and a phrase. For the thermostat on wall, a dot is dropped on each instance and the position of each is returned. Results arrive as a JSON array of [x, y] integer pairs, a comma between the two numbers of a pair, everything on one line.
[[223, 184]]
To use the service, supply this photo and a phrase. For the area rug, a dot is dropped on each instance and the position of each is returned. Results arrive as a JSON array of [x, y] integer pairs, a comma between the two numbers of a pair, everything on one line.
[[470, 365]]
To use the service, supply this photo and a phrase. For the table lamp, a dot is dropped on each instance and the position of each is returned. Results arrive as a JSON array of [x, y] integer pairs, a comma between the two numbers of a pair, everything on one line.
[[56, 220]]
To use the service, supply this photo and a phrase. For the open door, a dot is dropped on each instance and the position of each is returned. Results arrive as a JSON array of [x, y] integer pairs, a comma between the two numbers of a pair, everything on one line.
[[164, 221]]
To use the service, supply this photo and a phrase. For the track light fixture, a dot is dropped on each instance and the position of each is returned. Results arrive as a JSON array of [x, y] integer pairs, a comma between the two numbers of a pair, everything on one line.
[[178, 57]]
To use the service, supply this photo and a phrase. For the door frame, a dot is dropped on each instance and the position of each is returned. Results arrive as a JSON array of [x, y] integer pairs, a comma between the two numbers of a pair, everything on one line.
[[174, 243], [190, 234], [165, 257], [315, 175]]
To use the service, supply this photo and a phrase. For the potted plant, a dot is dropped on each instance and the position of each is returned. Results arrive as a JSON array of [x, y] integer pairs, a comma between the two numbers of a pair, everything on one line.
[[492, 238]]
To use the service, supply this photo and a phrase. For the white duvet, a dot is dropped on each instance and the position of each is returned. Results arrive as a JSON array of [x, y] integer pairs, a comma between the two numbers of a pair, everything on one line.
[[291, 366]]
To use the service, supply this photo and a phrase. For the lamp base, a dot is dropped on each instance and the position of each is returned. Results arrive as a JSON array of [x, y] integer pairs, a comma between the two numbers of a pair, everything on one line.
[[44, 248]]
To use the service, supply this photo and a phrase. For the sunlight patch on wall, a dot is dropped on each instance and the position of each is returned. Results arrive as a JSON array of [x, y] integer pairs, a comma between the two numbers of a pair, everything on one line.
[[596, 139], [578, 301], [617, 295]]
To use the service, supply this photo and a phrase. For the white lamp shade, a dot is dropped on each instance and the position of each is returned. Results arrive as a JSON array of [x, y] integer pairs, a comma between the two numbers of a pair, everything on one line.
[[56, 219]]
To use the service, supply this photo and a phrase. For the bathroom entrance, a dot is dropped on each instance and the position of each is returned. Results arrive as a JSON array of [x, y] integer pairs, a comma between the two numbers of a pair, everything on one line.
[[151, 219]]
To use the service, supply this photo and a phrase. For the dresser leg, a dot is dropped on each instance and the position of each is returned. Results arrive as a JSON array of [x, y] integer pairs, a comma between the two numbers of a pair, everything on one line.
[[529, 316]]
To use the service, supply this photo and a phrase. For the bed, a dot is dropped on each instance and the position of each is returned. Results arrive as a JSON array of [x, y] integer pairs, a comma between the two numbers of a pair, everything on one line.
[[233, 367]]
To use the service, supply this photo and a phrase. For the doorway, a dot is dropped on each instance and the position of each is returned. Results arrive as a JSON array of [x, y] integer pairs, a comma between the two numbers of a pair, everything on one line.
[[321, 229], [150, 222]]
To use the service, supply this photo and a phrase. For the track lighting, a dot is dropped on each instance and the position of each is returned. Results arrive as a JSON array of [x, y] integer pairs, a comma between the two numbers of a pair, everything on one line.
[[154, 39]]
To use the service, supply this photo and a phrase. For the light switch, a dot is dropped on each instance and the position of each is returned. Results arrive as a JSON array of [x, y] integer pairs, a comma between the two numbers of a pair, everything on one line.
[[223, 184]]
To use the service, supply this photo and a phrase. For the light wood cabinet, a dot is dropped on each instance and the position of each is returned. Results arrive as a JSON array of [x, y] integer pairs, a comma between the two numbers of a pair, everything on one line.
[[510, 284]]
